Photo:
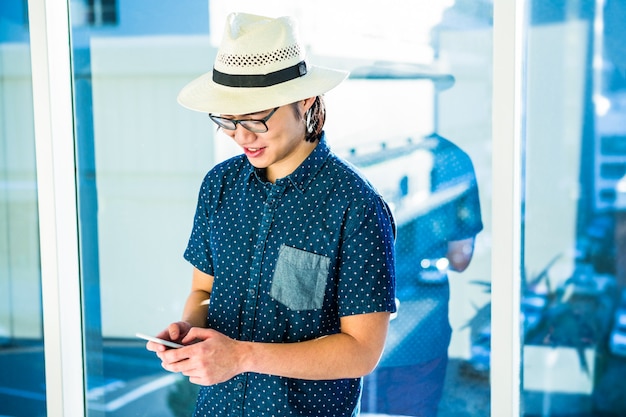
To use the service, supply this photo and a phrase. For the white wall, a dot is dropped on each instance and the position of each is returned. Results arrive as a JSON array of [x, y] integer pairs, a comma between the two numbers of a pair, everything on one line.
[[555, 103], [20, 303], [151, 155]]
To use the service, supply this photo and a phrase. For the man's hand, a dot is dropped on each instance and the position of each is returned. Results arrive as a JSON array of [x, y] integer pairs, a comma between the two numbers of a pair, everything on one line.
[[175, 332], [208, 358]]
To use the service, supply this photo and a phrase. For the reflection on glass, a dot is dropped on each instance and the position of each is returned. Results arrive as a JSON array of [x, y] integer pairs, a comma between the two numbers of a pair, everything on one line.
[[438, 216], [573, 299], [22, 381], [141, 158], [437, 356]]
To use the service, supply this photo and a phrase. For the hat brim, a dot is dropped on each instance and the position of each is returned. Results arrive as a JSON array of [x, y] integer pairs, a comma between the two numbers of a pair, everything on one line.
[[204, 95]]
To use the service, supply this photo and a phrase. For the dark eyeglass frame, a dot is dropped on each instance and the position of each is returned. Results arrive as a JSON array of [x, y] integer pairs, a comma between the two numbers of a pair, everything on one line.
[[253, 125]]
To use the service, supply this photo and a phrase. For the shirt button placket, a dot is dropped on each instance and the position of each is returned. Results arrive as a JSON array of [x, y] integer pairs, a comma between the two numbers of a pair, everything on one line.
[[267, 219]]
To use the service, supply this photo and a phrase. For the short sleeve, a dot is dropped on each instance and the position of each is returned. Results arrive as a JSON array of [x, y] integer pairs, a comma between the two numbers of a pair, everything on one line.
[[198, 251], [367, 267]]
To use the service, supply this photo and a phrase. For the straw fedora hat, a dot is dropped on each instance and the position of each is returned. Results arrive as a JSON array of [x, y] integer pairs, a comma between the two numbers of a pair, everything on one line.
[[260, 65]]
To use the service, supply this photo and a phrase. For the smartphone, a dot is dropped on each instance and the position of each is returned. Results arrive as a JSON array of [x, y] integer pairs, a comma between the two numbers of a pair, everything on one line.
[[160, 341]]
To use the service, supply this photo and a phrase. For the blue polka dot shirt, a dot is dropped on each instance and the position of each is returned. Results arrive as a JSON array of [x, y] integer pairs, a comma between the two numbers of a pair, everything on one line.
[[289, 260]]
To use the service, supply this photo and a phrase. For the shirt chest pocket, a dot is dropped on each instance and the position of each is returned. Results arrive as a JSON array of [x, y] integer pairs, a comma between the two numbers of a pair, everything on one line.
[[299, 280]]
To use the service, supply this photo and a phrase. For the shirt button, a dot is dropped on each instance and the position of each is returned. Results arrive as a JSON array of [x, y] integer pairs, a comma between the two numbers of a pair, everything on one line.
[[240, 385], [252, 291]]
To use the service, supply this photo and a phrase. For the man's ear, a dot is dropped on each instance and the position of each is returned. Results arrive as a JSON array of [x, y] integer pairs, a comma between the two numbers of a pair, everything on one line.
[[307, 103]]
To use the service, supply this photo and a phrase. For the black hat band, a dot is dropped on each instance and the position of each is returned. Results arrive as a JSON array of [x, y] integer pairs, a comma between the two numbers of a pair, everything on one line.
[[263, 80]]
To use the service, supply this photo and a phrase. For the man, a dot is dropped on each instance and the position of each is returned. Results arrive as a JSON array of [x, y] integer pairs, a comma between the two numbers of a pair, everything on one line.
[[293, 254]]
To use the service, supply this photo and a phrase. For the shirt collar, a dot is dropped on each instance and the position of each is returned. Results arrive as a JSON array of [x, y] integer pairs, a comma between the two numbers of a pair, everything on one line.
[[304, 174]]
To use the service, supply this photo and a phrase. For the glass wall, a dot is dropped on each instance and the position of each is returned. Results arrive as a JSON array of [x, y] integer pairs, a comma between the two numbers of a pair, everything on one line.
[[139, 158], [573, 294], [420, 71], [418, 102], [22, 381], [432, 161]]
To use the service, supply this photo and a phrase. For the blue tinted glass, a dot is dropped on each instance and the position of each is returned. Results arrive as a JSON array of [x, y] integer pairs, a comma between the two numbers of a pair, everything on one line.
[[141, 159], [573, 248], [424, 151], [138, 158], [22, 380]]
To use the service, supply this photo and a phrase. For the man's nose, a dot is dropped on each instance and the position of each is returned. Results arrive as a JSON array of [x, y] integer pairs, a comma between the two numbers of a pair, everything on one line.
[[243, 135]]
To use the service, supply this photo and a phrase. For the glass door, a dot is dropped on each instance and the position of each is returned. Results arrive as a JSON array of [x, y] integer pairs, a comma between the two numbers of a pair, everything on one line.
[[417, 103]]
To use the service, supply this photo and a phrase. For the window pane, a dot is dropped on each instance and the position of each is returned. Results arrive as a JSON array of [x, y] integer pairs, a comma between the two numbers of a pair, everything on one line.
[[22, 381], [141, 159], [422, 141], [573, 355]]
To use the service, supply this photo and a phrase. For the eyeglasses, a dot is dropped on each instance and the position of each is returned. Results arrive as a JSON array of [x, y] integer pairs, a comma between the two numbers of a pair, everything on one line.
[[253, 125]]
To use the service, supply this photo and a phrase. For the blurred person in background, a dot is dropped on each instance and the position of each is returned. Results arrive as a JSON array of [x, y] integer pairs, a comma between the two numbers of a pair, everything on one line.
[[411, 376]]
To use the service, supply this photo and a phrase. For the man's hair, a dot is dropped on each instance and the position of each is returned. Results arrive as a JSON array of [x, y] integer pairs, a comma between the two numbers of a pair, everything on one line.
[[317, 119]]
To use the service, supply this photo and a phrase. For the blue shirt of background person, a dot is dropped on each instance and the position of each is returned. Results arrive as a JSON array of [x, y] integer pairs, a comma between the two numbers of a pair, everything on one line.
[[447, 231]]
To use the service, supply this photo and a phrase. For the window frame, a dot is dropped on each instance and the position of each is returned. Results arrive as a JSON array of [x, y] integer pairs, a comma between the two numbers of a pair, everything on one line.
[[506, 356], [58, 221]]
